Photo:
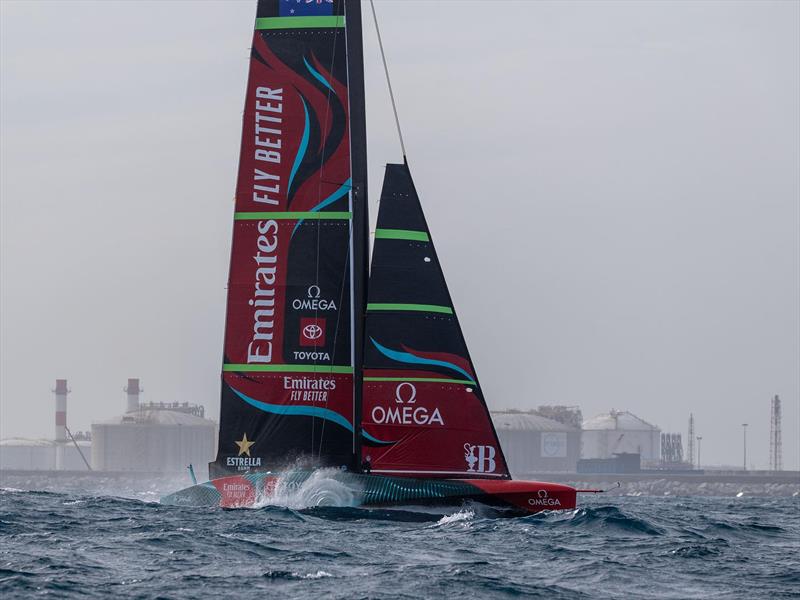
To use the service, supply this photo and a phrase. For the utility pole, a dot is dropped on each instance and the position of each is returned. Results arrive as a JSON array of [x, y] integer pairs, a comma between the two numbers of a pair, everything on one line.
[[699, 439], [744, 439]]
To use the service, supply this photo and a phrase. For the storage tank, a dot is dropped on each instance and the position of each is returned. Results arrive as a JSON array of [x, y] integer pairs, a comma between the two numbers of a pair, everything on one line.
[[156, 438], [621, 432], [71, 457], [535, 444], [27, 455]]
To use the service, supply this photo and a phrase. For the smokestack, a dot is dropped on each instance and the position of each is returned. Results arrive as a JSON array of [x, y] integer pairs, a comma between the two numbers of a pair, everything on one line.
[[61, 392], [133, 391]]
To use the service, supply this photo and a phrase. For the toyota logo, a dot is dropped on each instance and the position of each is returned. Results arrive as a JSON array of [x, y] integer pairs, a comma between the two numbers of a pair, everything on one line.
[[312, 332]]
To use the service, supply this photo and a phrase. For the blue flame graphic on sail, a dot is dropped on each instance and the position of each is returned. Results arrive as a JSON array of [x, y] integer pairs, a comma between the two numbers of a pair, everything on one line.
[[342, 191], [301, 151], [317, 75]]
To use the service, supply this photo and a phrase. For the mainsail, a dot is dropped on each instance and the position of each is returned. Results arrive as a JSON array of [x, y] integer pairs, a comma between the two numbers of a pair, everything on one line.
[[423, 410], [288, 388]]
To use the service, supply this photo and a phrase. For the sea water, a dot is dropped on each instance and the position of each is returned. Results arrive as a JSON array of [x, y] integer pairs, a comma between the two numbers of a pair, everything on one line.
[[78, 545]]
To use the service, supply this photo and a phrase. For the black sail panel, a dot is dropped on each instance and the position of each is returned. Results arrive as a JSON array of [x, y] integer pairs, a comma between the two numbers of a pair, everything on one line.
[[423, 410]]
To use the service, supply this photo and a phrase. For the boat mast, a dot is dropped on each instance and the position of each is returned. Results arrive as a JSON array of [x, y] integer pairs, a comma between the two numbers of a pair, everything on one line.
[[359, 239]]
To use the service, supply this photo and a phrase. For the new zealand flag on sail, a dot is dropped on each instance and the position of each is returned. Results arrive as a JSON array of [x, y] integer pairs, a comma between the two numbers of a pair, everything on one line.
[[305, 8]]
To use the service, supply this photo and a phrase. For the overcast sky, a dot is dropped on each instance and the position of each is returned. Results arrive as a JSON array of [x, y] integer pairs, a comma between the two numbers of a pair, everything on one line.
[[613, 188]]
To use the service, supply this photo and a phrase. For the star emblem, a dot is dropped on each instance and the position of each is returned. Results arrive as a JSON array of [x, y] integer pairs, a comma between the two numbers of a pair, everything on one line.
[[244, 445]]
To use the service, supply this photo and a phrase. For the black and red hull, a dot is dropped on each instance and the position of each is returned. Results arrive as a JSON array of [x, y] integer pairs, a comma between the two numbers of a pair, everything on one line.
[[332, 488]]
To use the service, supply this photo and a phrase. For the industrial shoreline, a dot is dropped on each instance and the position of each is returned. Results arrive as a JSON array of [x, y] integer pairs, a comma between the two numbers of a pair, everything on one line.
[[551, 442], [690, 483], [652, 483]]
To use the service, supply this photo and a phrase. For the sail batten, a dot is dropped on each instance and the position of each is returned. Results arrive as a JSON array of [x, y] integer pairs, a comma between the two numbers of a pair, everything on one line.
[[293, 215], [394, 306], [248, 368], [401, 234], [321, 22]]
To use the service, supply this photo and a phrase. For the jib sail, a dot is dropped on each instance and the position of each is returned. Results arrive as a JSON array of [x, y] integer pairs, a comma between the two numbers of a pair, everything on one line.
[[423, 410], [287, 380]]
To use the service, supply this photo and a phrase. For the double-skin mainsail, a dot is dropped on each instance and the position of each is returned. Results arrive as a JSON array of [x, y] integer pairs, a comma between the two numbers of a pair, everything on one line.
[[298, 269]]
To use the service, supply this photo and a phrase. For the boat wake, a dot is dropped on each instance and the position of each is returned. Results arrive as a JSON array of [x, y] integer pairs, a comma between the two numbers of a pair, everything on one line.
[[463, 518], [321, 488]]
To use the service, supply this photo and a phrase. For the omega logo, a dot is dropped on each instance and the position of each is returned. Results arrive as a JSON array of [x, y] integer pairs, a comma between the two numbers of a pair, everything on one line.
[[543, 499], [406, 394], [398, 395]]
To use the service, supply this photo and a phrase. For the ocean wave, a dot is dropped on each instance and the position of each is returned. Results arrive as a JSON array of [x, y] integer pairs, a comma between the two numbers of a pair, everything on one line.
[[601, 517], [631, 547], [290, 575]]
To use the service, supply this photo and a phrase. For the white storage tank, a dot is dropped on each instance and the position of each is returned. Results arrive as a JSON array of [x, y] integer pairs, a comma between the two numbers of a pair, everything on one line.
[[27, 455], [535, 444], [155, 438], [618, 432]]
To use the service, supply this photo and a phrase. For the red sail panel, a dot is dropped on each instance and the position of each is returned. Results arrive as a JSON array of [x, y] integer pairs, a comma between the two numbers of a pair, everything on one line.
[[423, 412], [427, 429], [287, 391]]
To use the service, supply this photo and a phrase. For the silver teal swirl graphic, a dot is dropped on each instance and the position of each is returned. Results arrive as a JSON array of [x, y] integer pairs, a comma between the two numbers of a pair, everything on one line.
[[307, 411], [413, 359]]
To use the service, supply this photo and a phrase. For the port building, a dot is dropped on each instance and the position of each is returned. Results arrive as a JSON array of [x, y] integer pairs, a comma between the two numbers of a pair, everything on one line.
[[27, 454], [620, 433], [533, 443], [154, 437]]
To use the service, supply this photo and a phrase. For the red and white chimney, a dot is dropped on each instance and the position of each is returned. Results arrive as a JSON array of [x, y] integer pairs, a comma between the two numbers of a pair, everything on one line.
[[133, 390], [61, 392]]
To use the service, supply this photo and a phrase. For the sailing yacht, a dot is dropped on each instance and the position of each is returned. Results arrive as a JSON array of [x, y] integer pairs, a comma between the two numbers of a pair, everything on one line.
[[331, 366]]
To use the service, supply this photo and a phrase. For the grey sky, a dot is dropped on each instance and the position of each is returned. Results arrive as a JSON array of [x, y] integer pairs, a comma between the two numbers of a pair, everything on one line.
[[613, 189]]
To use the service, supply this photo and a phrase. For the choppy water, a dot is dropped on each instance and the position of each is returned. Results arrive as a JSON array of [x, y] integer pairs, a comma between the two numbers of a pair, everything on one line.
[[72, 545]]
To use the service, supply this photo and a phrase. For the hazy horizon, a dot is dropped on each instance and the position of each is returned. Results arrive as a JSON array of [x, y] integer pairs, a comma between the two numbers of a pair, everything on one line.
[[613, 188]]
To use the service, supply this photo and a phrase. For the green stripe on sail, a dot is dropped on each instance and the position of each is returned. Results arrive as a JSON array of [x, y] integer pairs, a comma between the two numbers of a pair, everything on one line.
[[431, 379], [434, 308], [257, 216], [401, 234], [254, 368], [299, 22]]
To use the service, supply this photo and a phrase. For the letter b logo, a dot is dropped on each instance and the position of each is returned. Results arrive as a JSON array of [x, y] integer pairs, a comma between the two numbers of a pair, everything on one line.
[[486, 462]]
